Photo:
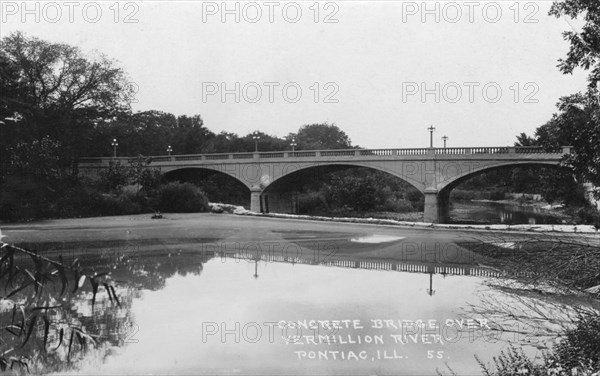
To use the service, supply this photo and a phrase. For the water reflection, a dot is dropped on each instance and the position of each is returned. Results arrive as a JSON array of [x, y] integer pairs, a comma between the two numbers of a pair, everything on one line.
[[500, 213], [54, 329], [376, 238], [185, 312]]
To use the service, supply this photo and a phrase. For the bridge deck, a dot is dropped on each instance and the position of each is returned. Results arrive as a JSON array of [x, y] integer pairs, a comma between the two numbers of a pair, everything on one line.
[[516, 152]]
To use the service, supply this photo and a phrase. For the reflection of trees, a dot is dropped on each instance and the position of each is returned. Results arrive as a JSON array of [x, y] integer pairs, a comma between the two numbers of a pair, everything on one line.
[[543, 295], [151, 270], [54, 313], [566, 262], [564, 327], [521, 313]]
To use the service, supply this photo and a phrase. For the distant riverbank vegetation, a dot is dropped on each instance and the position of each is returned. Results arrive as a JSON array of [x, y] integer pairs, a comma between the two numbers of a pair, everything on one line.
[[50, 118]]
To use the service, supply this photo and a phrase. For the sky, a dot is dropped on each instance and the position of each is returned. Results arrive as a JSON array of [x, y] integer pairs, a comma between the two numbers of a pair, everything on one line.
[[480, 72]]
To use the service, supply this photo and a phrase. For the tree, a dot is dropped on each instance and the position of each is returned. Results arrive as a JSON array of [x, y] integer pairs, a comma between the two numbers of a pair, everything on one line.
[[58, 91], [115, 176], [584, 50], [141, 174], [152, 131], [577, 123], [33, 179], [361, 194], [322, 136], [38, 158], [525, 140]]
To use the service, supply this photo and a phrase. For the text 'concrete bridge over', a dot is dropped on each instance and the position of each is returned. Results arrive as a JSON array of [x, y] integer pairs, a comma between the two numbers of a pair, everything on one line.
[[433, 171]]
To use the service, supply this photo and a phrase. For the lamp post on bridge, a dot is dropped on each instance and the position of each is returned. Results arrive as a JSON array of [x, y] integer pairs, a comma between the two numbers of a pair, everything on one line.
[[114, 145], [431, 129], [169, 150], [293, 144], [445, 138], [255, 137]]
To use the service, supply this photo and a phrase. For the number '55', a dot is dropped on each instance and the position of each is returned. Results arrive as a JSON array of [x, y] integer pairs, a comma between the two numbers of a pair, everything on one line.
[[435, 354]]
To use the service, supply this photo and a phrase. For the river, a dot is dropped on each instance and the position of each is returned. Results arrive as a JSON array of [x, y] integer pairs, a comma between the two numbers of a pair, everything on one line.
[[500, 213], [210, 294]]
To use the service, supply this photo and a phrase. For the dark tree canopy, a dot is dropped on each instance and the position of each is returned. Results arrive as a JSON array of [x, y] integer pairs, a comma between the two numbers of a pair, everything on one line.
[[578, 121], [322, 136], [44, 79], [54, 90], [584, 51]]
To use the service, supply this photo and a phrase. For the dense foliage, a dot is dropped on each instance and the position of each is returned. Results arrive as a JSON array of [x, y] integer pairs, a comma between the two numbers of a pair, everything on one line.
[[354, 190], [182, 198]]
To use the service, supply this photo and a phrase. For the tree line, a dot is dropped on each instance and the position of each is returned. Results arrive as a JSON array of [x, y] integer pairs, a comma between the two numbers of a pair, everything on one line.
[[58, 105]]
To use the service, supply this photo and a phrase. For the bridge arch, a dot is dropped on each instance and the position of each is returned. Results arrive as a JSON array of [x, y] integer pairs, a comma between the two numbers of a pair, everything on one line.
[[442, 200], [275, 195], [170, 171], [211, 181], [454, 181], [420, 186]]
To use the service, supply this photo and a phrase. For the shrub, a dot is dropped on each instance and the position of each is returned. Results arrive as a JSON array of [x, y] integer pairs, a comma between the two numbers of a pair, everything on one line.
[[181, 198], [78, 201], [310, 202], [398, 205], [589, 215], [497, 194], [131, 202], [414, 195], [577, 354], [580, 348], [114, 176], [462, 195], [21, 198], [140, 174]]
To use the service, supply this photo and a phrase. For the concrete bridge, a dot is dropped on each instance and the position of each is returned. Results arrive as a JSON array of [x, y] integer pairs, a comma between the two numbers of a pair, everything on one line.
[[433, 171]]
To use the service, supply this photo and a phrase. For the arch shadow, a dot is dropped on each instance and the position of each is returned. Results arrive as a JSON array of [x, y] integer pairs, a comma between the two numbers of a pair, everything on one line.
[[219, 186], [278, 196], [450, 185], [445, 190], [317, 170]]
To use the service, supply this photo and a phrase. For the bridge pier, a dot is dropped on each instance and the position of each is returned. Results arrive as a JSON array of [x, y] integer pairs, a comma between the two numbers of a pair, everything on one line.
[[437, 206], [255, 199], [431, 207]]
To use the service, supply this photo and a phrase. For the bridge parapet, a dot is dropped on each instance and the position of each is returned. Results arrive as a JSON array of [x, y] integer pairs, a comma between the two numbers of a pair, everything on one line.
[[346, 153]]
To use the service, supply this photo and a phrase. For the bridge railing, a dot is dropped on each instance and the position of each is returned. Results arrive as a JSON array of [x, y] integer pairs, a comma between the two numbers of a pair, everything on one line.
[[301, 154], [242, 156], [343, 153], [399, 266], [392, 152], [539, 150], [477, 150], [338, 153]]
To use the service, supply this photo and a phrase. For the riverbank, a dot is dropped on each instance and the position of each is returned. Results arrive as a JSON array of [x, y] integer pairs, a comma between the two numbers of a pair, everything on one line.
[[239, 210], [587, 229]]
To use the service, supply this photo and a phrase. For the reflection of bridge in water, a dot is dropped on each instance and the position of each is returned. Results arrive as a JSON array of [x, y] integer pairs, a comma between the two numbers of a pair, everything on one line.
[[400, 266]]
